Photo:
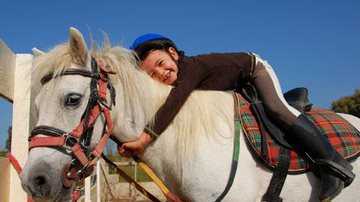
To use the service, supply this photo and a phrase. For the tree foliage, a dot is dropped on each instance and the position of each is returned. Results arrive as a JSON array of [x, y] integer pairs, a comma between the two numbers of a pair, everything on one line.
[[8, 141], [348, 104], [7, 144]]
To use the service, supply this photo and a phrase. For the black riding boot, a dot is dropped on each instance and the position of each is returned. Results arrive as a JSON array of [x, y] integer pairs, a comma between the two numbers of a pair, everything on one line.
[[335, 171]]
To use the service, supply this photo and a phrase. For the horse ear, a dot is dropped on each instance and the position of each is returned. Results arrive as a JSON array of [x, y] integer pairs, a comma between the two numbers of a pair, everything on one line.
[[37, 52], [77, 45]]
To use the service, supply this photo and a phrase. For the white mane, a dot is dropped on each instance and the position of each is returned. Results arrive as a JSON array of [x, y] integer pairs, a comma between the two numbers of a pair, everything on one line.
[[144, 95]]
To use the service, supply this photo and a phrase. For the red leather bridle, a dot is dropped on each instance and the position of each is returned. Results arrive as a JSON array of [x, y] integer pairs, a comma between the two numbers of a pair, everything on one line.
[[78, 140]]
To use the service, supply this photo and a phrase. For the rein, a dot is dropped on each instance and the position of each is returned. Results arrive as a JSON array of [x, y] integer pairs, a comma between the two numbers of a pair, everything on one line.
[[78, 140]]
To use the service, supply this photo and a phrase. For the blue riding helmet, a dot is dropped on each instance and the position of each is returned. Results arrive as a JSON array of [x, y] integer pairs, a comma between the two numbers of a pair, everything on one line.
[[144, 38]]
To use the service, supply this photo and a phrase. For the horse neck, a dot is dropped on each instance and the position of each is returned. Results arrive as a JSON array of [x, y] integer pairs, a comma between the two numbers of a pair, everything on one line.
[[138, 99]]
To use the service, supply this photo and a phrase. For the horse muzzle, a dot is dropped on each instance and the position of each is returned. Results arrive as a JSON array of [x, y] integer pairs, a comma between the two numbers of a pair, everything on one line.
[[40, 182]]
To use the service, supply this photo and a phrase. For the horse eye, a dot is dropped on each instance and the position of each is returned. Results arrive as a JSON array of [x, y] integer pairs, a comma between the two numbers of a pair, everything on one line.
[[73, 100]]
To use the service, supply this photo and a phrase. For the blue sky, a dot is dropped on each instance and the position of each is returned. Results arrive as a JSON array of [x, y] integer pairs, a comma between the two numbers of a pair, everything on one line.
[[311, 43]]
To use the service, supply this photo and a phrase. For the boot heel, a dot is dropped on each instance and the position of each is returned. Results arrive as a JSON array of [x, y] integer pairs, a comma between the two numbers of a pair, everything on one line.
[[344, 174]]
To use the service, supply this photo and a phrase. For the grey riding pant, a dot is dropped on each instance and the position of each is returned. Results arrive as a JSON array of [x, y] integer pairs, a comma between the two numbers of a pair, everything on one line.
[[269, 90]]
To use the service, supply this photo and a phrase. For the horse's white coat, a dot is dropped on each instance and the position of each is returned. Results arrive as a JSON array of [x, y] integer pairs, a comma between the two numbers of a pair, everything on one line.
[[193, 156]]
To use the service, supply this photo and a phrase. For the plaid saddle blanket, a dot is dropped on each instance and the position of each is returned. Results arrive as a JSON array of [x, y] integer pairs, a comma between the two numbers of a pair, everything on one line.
[[344, 137]]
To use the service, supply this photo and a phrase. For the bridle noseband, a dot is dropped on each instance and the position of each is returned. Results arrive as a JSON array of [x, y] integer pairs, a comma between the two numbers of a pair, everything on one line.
[[78, 140]]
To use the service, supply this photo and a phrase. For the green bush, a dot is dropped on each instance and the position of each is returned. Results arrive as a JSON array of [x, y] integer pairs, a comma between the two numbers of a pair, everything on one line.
[[130, 170], [2, 153], [348, 104]]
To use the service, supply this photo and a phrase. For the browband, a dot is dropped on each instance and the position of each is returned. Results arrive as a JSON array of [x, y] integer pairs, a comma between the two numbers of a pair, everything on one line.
[[71, 71]]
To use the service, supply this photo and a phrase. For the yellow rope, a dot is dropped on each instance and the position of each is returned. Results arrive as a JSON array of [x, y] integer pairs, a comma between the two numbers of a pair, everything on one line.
[[157, 180], [153, 176]]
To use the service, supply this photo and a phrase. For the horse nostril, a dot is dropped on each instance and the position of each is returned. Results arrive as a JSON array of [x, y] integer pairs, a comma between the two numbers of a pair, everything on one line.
[[39, 181], [40, 186]]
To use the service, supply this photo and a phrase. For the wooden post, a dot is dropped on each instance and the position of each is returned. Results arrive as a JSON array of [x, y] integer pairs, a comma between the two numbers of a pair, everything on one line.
[[21, 121], [5, 179], [15, 79], [88, 189], [7, 72], [98, 181]]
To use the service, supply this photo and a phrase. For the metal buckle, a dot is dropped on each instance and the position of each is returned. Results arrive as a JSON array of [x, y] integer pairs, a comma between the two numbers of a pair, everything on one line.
[[70, 141], [82, 170], [85, 171], [78, 173]]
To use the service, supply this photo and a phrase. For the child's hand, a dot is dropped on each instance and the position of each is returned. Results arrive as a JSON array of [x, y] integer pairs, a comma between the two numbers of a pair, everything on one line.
[[135, 147]]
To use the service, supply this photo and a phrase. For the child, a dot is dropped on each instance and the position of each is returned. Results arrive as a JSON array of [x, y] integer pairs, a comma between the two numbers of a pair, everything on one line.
[[161, 59]]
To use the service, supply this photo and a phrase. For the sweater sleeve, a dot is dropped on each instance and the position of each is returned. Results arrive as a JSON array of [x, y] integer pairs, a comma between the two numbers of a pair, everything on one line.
[[186, 83]]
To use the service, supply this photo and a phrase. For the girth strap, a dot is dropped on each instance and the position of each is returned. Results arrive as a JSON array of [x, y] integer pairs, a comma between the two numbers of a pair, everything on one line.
[[278, 179], [280, 172], [236, 151]]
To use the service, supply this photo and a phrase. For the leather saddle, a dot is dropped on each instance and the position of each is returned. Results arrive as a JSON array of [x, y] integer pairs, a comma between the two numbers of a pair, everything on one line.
[[297, 98]]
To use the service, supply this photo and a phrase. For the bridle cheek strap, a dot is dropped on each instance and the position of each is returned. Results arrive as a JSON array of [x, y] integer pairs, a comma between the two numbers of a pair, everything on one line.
[[79, 129], [80, 155], [102, 143]]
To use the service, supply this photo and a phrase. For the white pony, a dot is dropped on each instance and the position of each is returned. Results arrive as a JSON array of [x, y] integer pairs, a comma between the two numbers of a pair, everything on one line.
[[193, 156]]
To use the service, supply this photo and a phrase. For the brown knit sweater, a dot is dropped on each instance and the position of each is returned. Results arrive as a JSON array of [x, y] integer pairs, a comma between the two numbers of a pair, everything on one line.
[[216, 71]]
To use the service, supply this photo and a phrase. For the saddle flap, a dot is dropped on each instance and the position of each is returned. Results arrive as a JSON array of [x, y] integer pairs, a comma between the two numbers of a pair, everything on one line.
[[340, 133]]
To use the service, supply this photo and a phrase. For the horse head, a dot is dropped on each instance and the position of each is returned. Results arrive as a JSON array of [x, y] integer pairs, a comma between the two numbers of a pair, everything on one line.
[[73, 102]]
